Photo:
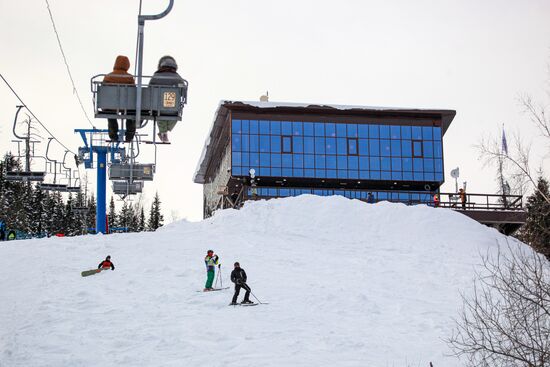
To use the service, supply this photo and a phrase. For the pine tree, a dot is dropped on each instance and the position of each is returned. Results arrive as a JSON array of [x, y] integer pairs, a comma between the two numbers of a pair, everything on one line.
[[90, 218], [536, 231], [156, 219], [141, 223], [112, 214]]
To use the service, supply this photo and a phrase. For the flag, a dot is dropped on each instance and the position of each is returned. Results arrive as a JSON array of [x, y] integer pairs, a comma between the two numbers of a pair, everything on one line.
[[504, 143]]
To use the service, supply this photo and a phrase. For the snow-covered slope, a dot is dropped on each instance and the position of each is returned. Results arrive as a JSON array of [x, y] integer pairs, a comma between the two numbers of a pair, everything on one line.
[[348, 284]]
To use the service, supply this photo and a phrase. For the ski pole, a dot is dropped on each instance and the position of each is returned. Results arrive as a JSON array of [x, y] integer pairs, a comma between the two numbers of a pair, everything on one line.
[[253, 295], [220, 274], [216, 282]]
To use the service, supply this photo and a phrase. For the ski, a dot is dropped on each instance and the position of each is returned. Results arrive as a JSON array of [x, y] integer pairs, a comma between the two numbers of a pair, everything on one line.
[[214, 289]]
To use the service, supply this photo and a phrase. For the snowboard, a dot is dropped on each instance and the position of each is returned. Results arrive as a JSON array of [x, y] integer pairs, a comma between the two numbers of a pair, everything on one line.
[[86, 273]]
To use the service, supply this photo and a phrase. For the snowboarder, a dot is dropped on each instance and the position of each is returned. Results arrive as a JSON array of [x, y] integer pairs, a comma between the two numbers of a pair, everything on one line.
[[166, 75], [106, 264], [238, 276], [210, 260]]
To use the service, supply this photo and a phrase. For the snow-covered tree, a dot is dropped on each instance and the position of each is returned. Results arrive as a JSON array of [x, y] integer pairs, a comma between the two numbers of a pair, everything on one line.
[[156, 219]]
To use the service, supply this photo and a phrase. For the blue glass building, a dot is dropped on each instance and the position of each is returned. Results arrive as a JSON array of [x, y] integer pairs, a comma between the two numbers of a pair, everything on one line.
[[292, 149]]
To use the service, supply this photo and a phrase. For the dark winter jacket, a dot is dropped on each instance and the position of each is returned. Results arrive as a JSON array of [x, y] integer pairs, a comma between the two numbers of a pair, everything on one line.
[[106, 264], [2, 235], [120, 74], [166, 73], [238, 276]]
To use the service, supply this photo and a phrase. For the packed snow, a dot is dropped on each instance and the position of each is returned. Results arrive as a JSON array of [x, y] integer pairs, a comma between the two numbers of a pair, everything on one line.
[[348, 284]]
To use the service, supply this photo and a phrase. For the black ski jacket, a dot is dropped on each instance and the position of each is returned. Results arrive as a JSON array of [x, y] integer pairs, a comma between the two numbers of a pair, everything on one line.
[[238, 276]]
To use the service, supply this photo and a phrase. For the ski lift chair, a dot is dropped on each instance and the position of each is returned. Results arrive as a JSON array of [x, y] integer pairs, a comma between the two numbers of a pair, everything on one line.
[[23, 176], [53, 187], [130, 172], [127, 188]]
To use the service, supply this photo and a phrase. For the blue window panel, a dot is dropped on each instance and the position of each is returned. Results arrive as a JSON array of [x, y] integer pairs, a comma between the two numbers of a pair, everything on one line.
[[308, 129], [275, 127], [331, 173], [395, 132], [364, 175], [374, 147], [236, 127], [287, 160], [254, 144], [415, 197], [382, 196], [418, 165], [363, 146], [287, 144], [245, 143], [363, 195], [309, 173], [331, 161], [245, 159], [429, 176], [264, 144], [298, 160], [373, 132], [341, 130], [253, 126], [245, 126], [236, 143], [364, 163], [319, 161], [428, 165], [403, 196], [309, 161], [385, 175], [236, 171], [297, 128], [353, 163], [236, 158], [353, 174], [363, 131], [342, 146], [428, 149], [385, 149], [297, 144], [254, 160], [342, 162], [284, 192], [276, 144], [264, 171], [320, 173], [286, 128], [437, 133], [374, 163], [385, 164], [330, 130], [438, 151], [406, 132], [374, 175], [287, 172], [342, 173], [319, 145], [352, 131], [418, 176], [384, 132], [417, 149], [407, 164], [439, 165], [396, 148], [265, 160], [352, 146], [407, 176], [298, 172], [439, 177], [272, 192], [330, 145], [396, 164], [417, 133], [264, 127], [395, 175], [427, 132], [276, 160], [319, 129], [406, 148], [309, 145]]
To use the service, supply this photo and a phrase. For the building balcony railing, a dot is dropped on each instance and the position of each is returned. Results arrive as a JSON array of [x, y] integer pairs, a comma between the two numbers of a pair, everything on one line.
[[482, 202]]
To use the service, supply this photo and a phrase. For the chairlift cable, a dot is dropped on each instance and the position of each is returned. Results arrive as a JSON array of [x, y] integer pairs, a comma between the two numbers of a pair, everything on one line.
[[33, 115], [75, 91]]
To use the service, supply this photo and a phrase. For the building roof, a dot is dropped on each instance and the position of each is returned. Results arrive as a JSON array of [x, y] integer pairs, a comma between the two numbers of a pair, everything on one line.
[[224, 107]]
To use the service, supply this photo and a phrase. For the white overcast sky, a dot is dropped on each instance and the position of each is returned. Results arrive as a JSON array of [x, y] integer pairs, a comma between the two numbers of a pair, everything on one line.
[[476, 57]]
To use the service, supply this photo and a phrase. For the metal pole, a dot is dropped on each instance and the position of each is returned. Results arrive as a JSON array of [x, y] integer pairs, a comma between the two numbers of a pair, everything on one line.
[[101, 204]]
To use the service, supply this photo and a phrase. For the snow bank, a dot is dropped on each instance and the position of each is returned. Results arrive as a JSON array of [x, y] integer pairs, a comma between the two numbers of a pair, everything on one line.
[[349, 284]]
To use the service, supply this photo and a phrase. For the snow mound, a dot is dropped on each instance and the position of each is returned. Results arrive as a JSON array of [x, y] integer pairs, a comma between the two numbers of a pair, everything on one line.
[[348, 284]]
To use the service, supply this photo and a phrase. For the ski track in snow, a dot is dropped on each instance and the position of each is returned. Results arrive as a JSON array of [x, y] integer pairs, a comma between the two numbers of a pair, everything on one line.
[[348, 284]]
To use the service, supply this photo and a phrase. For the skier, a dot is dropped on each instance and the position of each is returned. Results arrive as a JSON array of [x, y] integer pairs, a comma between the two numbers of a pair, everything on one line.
[[210, 260], [238, 276], [2, 232], [106, 264]]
